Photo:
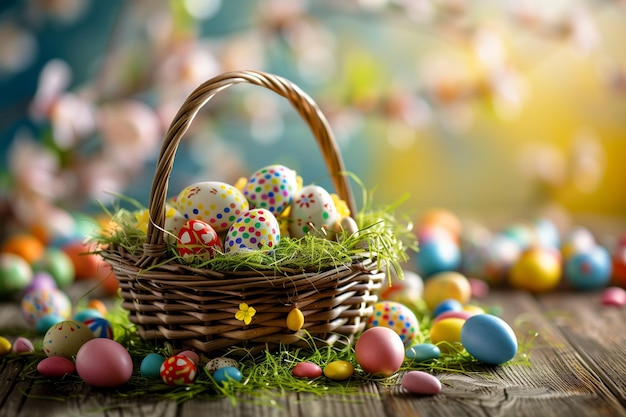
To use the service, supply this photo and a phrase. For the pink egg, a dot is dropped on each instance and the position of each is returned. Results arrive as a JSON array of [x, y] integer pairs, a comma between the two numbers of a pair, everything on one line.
[[463, 314], [418, 382], [380, 351], [104, 363], [307, 370], [613, 296], [56, 367]]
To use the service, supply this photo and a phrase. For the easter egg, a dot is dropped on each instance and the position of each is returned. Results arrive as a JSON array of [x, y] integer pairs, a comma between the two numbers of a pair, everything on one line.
[[227, 374], [423, 352], [66, 338], [437, 255], [588, 270], [271, 188], [307, 370], [23, 346], [256, 229], [178, 370], [379, 351], [459, 314], [150, 366], [104, 363], [537, 270], [198, 241], [446, 334], [579, 239], [56, 367], [41, 279], [397, 317], [5, 346], [100, 327], [174, 221], [312, 209], [44, 323], [58, 264], [85, 262], [338, 370], [27, 246], [15, 275], [98, 305], [295, 320], [449, 304], [489, 339], [446, 285], [419, 382], [195, 358], [216, 203], [405, 291], [442, 218], [86, 314], [220, 362], [45, 301], [613, 296]]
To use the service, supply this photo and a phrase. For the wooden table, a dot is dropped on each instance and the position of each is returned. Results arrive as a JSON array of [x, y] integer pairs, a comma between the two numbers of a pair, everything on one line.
[[577, 368]]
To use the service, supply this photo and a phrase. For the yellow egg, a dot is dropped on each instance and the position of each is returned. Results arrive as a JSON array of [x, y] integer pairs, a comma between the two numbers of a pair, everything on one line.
[[295, 320], [5, 346], [446, 285], [471, 308], [447, 330], [537, 270], [339, 370]]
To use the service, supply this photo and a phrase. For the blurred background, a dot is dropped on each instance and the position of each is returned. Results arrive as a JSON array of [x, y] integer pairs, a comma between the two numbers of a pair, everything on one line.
[[497, 110]]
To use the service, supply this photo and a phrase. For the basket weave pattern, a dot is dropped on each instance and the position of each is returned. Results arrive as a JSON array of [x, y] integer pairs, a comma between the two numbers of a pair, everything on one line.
[[195, 308]]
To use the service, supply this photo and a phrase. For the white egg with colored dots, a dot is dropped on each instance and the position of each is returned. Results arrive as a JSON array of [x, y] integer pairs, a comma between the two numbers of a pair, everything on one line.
[[216, 203], [256, 229], [397, 317], [271, 188], [312, 210]]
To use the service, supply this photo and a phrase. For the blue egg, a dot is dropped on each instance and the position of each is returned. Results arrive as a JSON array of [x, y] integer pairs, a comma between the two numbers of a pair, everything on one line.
[[589, 270], [437, 255], [447, 305], [423, 352], [47, 321], [88, 313], [227, 374], [100, 327], [489, 339], [151, 365]]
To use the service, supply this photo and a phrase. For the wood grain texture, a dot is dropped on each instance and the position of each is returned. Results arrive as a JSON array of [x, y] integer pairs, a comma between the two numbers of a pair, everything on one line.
[[576, 367]]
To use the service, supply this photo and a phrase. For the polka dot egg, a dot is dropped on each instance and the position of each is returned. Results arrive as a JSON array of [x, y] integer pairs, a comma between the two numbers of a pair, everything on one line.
[[255, 229], [216, 203], [271, 188], [312, 209], [397, 317]]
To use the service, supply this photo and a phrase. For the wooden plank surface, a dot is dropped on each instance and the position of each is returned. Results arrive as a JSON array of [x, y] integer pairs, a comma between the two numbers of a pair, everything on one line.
[[577, 367]]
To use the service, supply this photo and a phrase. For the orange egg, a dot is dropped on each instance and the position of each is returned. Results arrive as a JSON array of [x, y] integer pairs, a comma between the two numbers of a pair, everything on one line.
[[106, 278], [98, 305], [442, 218], [25, 245], [85, 263]]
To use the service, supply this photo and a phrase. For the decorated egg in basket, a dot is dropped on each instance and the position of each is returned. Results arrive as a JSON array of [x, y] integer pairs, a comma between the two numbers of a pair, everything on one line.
[[312, 209], [198, 240], [216, 203], [271, 188], [255, 229]]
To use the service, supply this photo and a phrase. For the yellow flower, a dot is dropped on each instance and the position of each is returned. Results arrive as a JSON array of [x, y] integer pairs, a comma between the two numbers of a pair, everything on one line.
[[341, 206], [142, 217], [241, 184], [245, 313]]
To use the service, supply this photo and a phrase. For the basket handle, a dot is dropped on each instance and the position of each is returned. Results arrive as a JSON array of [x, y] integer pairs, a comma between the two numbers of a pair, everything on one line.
[[306, 107]]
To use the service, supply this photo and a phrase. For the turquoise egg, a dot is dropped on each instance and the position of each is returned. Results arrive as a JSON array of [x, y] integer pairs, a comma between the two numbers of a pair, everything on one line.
[[589, 270], [86, 314], [151, 365], [227, 374], [423, 352], [489, 339]]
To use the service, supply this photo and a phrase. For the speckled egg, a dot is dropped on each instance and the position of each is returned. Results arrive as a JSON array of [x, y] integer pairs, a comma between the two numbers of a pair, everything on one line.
[[312, 209], [220, 362], [256, 229], [66, 338], [397, 317], [45, 301], [271, 188], [216, 203]]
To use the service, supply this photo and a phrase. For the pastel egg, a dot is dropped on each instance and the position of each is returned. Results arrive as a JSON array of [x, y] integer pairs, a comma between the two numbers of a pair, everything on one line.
[[100, 327], [27, 246], [613, 296], [256, 229], [56, 367], [44, 323], [397, 317], [191, 355], [295, 320], [446, 285], [423, 352], [338, 370], [307, 370], [446, 334], [419, 382], [216, 203], [104, 363], [588, 270], [312, 209], [379, 351], [227, 374], [449, 304], [178, 370], [436, 255], [58, 264], [42, 302], [537, 270], [23, 346], [489, 339], [150, 366], [271, 188], [66, 338], [198, 241], [220, 362], [41, 279], [462, 314], [405, 291], [15, 275], [5, 346], [86, 314]]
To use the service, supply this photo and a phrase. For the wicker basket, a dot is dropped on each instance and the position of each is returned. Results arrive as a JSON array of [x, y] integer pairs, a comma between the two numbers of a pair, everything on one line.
[[195, 308]]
